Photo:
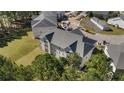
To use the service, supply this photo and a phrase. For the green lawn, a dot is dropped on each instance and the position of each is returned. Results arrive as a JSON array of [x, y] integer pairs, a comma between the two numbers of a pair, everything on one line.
[[115, 31], [20, 47], [27, 59], [84, 24]]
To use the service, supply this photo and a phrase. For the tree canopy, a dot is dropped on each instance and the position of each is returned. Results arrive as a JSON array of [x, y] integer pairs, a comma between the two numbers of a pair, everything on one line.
[[14, 25], [118, 75], [48, 67], [10, 71], [98, 67]]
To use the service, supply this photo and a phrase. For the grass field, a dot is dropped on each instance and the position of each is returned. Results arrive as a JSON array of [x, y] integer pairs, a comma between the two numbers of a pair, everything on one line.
[[85, 23], [20, 47], [27, 59]]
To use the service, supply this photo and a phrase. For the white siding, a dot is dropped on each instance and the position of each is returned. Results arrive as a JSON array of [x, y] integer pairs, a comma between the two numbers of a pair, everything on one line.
[[60, 53], [49, 50], [106, 52], [113, 67], [43, 46]]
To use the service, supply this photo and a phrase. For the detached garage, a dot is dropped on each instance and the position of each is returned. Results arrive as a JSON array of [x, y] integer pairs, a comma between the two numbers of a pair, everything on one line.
[[117, 22], [100, 24]]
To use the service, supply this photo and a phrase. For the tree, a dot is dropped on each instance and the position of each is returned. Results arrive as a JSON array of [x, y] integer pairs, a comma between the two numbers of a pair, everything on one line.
[[90, 14], [74, 60], [98, 67], [118, 75], [7, 69], [12, 24], [10, 71], [72, 74], [47, 67], [24, 73]]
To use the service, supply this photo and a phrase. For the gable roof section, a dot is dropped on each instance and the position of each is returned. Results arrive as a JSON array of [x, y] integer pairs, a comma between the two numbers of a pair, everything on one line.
[[73, 46], [87, 48], [64, 39], [38, 31], [51, 16], [34, 22], [46, 18], [61, 38], [121, 61], [116, 52], [98, 21], [44, 23], [77, 31]]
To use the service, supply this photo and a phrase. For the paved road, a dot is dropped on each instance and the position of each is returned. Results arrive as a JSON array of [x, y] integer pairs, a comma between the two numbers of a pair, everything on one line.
[[113, 39]]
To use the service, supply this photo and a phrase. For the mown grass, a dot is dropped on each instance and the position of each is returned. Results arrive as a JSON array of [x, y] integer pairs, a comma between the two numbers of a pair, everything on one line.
[[27, 59], [18, 48], [115, 31]]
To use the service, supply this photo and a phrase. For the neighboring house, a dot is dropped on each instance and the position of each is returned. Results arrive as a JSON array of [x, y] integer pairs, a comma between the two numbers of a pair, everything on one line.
[[100, 24], [116, 54], [117, 21], [61, 42]]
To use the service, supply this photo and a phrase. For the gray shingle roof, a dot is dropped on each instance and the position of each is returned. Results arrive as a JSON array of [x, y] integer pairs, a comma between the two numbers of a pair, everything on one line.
[[116, 52], [45, 28], [62, 38], [77, 31], [87, 48], [51, 16], [117, 21], [44, 23], [121, 61], [38, 30], [46, 18], [100, 22], [34, 22]]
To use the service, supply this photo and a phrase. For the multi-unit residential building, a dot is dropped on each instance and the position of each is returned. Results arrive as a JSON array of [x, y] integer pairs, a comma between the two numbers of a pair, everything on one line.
[[60, 42]]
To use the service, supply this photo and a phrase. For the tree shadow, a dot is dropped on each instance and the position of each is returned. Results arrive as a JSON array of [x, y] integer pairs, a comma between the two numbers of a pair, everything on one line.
[[12, 35]]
